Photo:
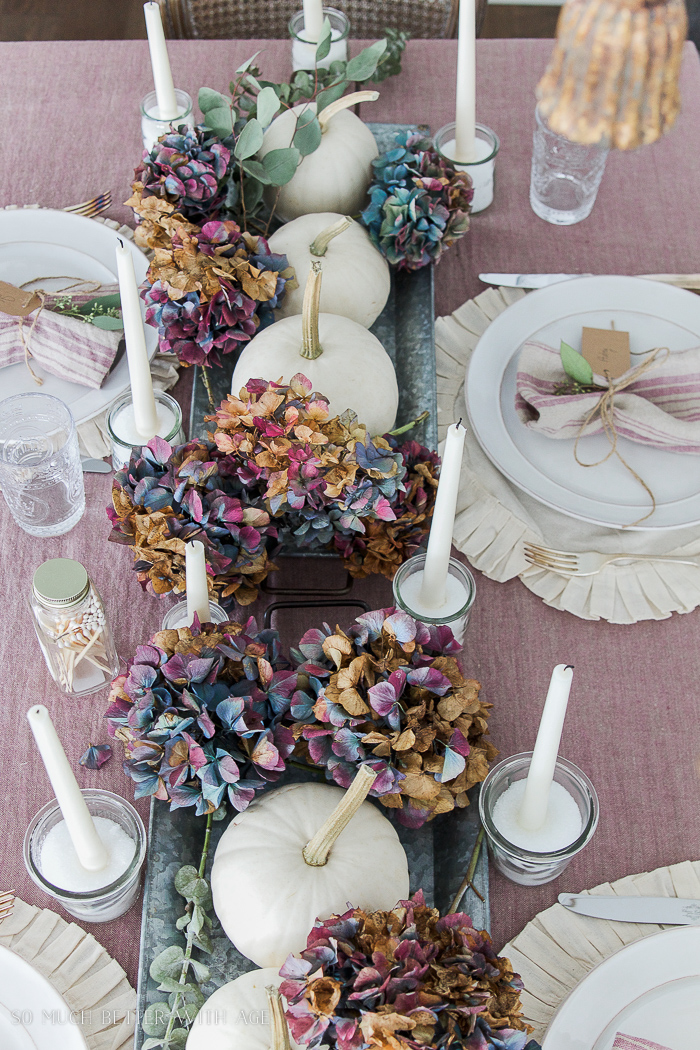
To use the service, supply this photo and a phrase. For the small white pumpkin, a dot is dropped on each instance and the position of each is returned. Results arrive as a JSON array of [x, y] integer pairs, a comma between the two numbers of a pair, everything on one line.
[[356, 278], [300, 852], [336, 176], [245, 1014], [343, 361]]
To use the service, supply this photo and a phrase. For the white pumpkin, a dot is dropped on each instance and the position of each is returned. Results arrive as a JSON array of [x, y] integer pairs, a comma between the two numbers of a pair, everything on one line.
[[336, 176], [356, 278], [343, 361], [300, 852], [244, 1014]]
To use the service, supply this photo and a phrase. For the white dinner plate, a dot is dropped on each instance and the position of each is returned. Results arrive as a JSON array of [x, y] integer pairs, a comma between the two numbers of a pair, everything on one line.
[[39, 243], [654, 314], [649, 989], [33, 1016]]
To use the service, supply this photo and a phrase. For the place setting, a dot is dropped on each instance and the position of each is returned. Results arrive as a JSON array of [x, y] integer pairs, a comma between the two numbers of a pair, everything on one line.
[[270, 616]]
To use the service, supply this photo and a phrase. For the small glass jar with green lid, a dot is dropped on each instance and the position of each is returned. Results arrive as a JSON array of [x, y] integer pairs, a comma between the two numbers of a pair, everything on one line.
[[72, 627]]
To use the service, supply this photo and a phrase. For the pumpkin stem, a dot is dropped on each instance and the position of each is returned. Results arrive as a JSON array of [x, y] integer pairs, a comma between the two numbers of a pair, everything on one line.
[[310, 345], [278, 1022], [317, 849], [345, 102], [320, 245]]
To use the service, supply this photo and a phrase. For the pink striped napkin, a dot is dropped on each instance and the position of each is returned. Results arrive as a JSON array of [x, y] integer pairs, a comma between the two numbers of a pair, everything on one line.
[[661, 408], [63, 346], [635, 1042]]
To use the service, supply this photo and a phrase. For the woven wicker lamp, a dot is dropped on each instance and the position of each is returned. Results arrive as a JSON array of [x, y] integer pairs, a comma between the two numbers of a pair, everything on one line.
[[612, 79]]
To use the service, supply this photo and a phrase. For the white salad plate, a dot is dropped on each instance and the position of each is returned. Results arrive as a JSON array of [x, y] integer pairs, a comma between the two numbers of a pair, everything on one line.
[[649, 989], [44, 244], [33, 1016], [654, 314]]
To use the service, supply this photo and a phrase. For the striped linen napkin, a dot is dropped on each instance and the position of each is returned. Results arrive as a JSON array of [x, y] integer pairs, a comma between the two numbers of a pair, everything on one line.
[[660, 408], [64, 346], [635, 1042]]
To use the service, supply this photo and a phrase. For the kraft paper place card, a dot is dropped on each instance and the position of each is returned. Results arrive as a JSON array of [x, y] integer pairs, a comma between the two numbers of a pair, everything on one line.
[[16, 301], [607, 351]]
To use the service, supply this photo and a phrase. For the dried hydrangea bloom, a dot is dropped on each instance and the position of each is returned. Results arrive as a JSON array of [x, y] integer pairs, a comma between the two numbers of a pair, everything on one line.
[[400, 979], [200, 715], [389, 692]]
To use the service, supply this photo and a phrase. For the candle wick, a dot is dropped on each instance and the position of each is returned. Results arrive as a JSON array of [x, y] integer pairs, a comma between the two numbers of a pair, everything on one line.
[[569, 667], [121, 242], [460, 422]]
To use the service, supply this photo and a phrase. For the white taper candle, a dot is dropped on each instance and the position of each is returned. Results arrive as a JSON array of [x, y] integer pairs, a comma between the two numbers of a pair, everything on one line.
[[437, 558], [145, 413], [465, 111], [313, 20], [89, 848], [533, 810], [196, 582], [162, 76]]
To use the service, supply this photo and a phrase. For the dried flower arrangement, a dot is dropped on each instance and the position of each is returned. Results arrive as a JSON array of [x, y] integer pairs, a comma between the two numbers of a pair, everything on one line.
[[400, 979], [278, 472], [200, 715], [389, 693], [419, 203]]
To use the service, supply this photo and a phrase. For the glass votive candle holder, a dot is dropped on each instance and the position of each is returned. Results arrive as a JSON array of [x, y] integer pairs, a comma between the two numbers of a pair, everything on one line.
[[460, 594], [115, 897], [176, 616], [120, 425], [153, 125], [530, 867], [304, 49], [482, 169]]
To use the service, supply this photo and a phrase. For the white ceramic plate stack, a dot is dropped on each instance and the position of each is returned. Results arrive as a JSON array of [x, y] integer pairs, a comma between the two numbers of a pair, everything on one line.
[[33, 1016], [655, 315]]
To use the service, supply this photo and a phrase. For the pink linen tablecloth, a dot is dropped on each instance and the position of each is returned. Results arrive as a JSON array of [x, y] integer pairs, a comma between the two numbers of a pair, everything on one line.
[[69, 113]]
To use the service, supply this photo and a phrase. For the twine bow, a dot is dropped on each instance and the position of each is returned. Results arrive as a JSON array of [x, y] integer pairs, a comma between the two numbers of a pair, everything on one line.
[[605, 408], [77, 282]]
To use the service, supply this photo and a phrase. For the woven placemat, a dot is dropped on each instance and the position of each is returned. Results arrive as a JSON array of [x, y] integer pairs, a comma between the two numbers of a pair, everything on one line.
[[558, 948], [79, 969]]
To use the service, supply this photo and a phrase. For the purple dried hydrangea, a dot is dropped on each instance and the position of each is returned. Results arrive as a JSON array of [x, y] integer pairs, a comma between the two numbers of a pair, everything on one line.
[[201, 723], [403, 978], [419, 203], [201, 333], [188, 168]]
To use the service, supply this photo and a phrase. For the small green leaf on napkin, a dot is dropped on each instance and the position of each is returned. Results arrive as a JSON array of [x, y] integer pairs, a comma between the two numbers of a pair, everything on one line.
[[575, 365], [107, 323]]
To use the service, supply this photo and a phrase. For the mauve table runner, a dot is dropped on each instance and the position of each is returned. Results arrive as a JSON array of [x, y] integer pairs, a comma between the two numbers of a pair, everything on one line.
[[69, 113]]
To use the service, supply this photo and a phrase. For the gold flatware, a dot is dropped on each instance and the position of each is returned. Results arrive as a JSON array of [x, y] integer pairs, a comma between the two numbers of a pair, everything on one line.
[[93, 207], [571, 563], [7, 903]]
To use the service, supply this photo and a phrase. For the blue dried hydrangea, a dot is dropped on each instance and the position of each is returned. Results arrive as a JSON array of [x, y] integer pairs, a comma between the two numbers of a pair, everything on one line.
[[419, 203], [188, 168]]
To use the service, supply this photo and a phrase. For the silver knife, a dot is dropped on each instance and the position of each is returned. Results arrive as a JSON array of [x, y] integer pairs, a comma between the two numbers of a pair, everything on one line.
[[543, 280], [95, 466], [666, 911]]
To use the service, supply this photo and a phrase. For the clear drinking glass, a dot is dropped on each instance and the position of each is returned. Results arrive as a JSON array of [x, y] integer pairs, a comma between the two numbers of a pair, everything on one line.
[[406, 595], [482, 169], [176, 616], [120, 425], [565, 176], [524, 866], [304, 51], [111, 901], [152, 127], [40, 471]]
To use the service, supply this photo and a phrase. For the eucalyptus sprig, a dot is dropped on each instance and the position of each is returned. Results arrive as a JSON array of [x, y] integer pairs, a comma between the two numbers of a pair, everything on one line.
[[167, 1023], [103, 311]]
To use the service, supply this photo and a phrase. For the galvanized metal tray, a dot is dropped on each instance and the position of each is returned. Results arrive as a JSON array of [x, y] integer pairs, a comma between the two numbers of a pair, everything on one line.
[[405, 328], [438, 857]]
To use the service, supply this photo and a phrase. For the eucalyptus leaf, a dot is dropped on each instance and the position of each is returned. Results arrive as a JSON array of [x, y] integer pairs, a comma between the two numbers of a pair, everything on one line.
[[155, 1019], [185, 878], [252, 195], [169, 984], [209, 99], [183, 922], [185, 1013], [255, 169], [220, 813], [307, 137], [250, 140], [220, 120], [167, 963], [108, 302], [303, 83], [151, 1044], [248, 62], [189, 994], [250, 81], [330, 94], [324, 42], [107, 323], [362, 66], [268, 105], [575, 365], [197, 923], [178, 1039], [200, 970], [281, 164], [203, 941]]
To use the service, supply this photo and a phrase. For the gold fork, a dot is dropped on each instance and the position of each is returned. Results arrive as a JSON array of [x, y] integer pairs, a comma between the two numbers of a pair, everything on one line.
[[94, 206], [570, 563], [7, 903]]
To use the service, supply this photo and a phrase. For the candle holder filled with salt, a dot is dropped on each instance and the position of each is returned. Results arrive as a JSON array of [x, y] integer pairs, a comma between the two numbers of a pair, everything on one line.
[[453, 612], [481, 167], [53, 864], [124, 435], [305, 29], [530, 856], [153, 125], [178, 615]]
